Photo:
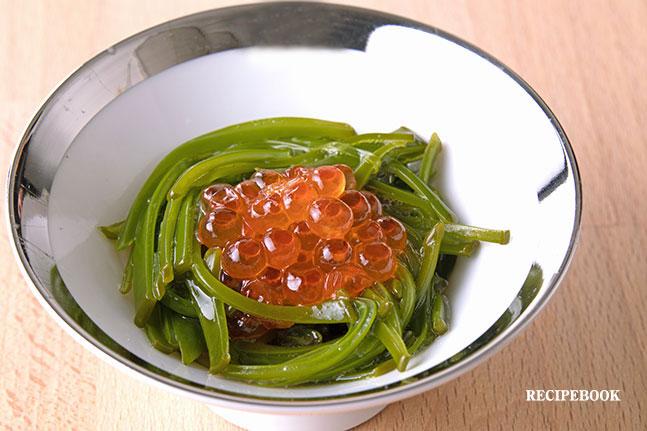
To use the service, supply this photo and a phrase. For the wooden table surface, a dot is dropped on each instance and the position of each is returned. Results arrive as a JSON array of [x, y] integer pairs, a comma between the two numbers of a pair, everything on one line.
[[588, 60]]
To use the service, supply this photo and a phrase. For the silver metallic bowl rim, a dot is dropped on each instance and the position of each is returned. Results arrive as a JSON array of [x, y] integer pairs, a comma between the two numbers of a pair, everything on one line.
[[473, 354]]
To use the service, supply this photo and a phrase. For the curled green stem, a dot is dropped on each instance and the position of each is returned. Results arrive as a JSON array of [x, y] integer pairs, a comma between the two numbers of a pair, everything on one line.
[[306, 367], [430, 252], [443, 212], [429, 158]]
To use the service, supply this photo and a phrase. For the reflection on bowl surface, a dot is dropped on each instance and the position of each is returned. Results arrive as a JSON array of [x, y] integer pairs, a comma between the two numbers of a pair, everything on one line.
[[506, 163]]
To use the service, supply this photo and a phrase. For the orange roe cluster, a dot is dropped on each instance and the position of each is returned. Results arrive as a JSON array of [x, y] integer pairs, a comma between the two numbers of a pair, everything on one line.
[[297, 237]]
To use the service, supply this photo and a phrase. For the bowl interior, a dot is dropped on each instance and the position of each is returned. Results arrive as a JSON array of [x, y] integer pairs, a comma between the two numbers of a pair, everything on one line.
[[492, 130], [505, 164]]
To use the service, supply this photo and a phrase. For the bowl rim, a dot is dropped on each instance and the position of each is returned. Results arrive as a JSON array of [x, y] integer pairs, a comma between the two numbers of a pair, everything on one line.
[[365, 399]]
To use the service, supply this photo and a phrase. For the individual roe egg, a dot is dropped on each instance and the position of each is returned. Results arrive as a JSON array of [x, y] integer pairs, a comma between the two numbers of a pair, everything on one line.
[[349, 277], [307, 239], [246, 230], [330, 218], [266, 288], [273, 324], [358, 203], [222, 196], [248, 190], [265, 177], [305, 256], [244, 258], [272, 276], [395, 234], [243, 325], [231, 282], [296, 198], [267, 212], [262, 291], [328, 181], [368, 231], [351, 182], [377, 259], [282, 247], [275, 188], [297, 172], [219, 227], [376, 205], [208, 192], [303, 284], [330, 253]]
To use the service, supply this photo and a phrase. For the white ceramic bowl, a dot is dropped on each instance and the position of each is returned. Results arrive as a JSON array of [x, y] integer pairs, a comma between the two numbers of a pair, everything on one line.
[[506, 163]]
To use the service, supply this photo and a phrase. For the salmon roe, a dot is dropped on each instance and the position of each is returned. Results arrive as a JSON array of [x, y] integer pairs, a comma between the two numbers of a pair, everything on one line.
[[329, 181], [377, 259], [219, 227], [351, 182], [330, 218], [374, 202], [296, 199], [307, 239], [332, 252], [262, 291], [303, 284], [265, 177], [268, 212], [301, 172], [297, 237], [368, 231], [282, 247], [245, 258], [358, 203], [222, 196], [248, 190], [395, 233], [349, 277]]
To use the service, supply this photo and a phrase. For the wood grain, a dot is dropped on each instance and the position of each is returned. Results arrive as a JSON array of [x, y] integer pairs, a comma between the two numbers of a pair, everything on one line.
[[587, 60]]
